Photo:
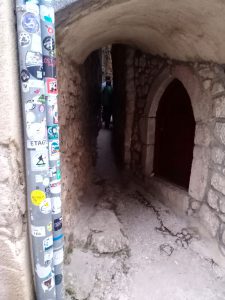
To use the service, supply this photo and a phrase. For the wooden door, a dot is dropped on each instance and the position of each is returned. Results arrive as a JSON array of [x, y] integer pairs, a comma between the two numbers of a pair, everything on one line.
[[174, 136]]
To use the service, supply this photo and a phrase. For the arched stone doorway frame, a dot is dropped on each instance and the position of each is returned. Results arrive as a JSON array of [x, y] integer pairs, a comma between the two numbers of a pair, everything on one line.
[[201, 108]]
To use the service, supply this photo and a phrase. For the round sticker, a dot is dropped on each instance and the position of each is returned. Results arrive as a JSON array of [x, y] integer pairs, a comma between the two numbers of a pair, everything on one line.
[[49, 43], [25, 87], [30, 117], [24, 39], [37, 197], [24, 75], [30, 23], [36, 131]]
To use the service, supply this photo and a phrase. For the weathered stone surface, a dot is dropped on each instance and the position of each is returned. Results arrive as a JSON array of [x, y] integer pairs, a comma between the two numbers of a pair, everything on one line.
[[202, 135], [213, 199], [220, 132], [217, 155], [217, 88], [222, 204], [107, 236], [218, 182], [195, 205], [219, 107], [209, 219], [207, 84], [199, 173]]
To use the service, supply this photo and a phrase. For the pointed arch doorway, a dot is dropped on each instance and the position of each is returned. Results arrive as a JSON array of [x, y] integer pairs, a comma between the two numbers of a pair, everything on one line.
[[174, 135]]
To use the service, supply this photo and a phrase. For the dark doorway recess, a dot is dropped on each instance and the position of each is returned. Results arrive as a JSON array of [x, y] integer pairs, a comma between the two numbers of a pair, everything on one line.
[[174, 137]]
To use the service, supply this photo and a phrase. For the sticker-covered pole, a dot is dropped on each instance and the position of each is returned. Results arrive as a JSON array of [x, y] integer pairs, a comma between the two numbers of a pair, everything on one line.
[[51, 94], [36, 147]]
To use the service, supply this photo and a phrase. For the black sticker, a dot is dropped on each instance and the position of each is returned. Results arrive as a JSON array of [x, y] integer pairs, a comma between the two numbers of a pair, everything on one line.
[[49, 43], [24, 75], [58, 224], [49, 66]]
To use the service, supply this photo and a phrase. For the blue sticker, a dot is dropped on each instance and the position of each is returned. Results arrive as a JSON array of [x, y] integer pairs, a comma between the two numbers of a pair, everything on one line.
[[53, 132], [58, 279], [30, 23]]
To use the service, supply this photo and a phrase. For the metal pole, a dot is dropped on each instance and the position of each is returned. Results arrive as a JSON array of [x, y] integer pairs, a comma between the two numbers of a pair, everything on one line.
[[36, 147], [51, 93]]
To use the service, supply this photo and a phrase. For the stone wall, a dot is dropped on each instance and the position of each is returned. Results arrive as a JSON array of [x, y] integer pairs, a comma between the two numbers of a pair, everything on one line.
[[146, 80], [79, 88]]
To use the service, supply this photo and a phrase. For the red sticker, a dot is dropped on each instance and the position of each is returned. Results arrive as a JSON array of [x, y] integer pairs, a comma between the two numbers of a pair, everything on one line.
[[52, 88]]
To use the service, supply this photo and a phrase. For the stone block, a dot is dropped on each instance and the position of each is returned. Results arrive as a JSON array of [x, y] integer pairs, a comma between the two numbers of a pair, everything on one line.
[[217, 155], [219, 107], [202, 135], [199, 173], [218, 182], [209, 219], [220, 132], [213, 199], [217, 88], [147, 130]]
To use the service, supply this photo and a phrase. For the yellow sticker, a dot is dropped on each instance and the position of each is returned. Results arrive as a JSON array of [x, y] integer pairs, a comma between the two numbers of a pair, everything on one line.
[[49, 226], [37, 197]]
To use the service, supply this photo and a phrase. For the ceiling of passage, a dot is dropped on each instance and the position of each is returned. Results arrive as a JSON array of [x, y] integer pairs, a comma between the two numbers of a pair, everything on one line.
[[184, 30]]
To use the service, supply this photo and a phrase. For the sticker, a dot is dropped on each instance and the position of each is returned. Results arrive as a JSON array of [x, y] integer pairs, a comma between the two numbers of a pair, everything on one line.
[[36, 45], [49, 227], [25, 87], [54, 150], [52, 171], [24, 39], [34, 64], [37, 91], [36, 84], [55, 186], [30, 105], [52, 100], [46, 181], [39, 99], [41, 108], [39, 161], [50, 29], [38, 231], [58, 224], [31, 7], [46, 207], [57, 238], [58, 174], [52, 86], [55, 117], [30, 117], [37, 197], [58, 257], [36, 131], [48, 256], [48, 243], [43, 272], [56, 205], [47, 14], [24, 75], [58, 279], [32, 144], [49, 66], [53, 132], [48, 284], [49, 43], [30, 23], [58, 163], [38, 179]]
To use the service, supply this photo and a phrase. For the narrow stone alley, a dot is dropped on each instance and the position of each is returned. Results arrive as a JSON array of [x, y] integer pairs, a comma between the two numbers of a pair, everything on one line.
[[126, 245]]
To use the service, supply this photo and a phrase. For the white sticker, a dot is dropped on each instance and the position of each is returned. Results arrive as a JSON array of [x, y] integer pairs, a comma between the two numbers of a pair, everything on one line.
[[39, 160], [45, 206], [56, 205], [58, 257], [36, 43], [25, 87], [46, 182], [52, 100], [48, 243], [38, 179], [48, 255], [31, 144], [36, 84], [30, 117], [36, 131], [43, 272], [48, 284], [54, 150], [31, 7], [38, 231], [55, 186]]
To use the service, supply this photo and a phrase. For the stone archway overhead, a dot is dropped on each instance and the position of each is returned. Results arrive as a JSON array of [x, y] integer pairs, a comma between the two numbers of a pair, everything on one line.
[[174, 29]]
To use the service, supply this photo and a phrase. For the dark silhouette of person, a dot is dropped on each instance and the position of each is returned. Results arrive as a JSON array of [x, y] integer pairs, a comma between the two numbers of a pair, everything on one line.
[[107, 102]]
